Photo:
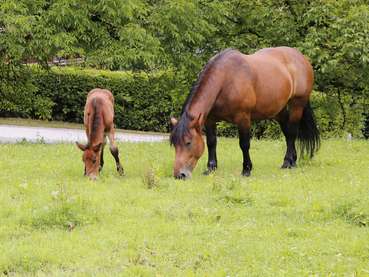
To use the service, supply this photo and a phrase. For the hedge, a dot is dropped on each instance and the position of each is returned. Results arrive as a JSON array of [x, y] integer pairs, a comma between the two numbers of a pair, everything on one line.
[[145, 100]]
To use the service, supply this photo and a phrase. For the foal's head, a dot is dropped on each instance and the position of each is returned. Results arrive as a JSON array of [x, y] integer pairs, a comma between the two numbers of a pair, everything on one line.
[[91, 159], [188, 143]]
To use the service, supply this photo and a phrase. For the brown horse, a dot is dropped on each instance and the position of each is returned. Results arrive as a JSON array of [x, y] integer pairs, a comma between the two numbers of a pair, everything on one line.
[[273, 83], [98, 120]]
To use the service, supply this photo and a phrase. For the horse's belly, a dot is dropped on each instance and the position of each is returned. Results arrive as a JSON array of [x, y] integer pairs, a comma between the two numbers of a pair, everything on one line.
[[256, 115], [269, 108]]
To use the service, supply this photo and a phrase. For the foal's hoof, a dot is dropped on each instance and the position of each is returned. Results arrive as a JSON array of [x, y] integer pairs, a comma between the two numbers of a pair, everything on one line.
[[246, 173], [120, 171]]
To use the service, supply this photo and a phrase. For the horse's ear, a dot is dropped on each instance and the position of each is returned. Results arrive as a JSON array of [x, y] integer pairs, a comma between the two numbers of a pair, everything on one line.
[[96, 148], [81, 146], [173, 121]]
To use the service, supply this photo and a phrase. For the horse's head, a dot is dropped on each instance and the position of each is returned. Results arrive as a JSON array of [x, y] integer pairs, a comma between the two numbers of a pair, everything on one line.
[[91, 159], [188, 143]]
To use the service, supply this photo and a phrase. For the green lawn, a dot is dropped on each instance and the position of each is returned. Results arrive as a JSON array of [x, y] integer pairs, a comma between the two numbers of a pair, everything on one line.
[[308, 221]]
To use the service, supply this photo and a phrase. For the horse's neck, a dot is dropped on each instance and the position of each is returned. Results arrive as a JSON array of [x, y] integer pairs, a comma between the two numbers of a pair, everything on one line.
[[204, 99], [96, 135]]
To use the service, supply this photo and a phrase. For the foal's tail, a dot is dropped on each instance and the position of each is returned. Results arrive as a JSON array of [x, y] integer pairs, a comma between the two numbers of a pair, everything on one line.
[[308, 133]]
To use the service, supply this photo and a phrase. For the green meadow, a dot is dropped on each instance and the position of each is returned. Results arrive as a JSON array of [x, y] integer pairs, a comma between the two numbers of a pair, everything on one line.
[[309, 221]]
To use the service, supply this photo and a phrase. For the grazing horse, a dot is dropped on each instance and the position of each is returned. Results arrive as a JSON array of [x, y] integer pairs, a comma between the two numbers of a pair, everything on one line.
[[98, 120], [273, 83]]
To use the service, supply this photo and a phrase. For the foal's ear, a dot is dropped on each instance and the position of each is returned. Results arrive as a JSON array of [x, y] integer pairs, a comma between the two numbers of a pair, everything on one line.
[[96, 148], [81, 146], [173, 121]]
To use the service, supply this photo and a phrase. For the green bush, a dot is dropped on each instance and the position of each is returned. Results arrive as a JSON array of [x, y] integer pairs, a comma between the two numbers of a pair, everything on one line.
[[338, 115], [16, 91], [143, 101]]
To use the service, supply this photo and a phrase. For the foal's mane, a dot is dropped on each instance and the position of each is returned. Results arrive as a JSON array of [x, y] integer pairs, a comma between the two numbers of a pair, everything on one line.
[[181, 129], [95, 119]]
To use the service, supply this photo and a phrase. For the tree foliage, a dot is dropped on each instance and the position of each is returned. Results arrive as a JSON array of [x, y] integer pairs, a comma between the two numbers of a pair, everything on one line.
[[181, 35]]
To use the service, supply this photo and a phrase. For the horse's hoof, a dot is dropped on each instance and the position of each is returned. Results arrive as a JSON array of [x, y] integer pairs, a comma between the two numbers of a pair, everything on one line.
[[208, 171], [288, 164], [246, 173], [120, 171]]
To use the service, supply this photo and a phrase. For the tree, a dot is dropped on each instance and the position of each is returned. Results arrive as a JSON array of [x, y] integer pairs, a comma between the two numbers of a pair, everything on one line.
[[181, 35]]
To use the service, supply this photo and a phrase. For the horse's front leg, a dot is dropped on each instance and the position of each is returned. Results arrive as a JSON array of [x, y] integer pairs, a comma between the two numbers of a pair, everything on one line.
[[244, 137], [211, 142]]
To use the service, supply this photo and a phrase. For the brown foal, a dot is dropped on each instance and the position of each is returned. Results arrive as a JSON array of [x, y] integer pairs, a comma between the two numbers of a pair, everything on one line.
[[99, 123], [273, 83]]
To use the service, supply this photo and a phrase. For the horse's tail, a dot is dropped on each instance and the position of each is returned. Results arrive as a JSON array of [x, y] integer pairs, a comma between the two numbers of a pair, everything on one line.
[[308, 133]]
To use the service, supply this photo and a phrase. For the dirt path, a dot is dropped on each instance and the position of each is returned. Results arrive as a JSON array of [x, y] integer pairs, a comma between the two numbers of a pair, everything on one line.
[[14, 134]]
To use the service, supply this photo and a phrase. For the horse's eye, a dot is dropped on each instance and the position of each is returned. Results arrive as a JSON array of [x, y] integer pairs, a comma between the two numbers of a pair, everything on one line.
[[188, 143], [93, 161]]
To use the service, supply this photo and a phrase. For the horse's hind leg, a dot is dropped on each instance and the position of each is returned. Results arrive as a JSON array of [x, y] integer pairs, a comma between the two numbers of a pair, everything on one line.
[[211, 141], [102, 154], [115, 152], [289, 122], [290, 132], [244, 140]]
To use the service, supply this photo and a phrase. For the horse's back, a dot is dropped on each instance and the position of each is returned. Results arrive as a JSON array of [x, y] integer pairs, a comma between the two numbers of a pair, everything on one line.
[[280, 74], [101, 100], [99, 93], [295, 63]]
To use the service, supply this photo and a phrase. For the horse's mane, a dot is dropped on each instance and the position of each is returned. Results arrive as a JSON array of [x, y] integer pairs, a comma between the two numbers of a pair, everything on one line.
[[181, 128], [96, 118]]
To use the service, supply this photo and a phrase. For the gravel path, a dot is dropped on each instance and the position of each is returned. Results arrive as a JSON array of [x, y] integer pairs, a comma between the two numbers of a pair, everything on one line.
[[14, 134]]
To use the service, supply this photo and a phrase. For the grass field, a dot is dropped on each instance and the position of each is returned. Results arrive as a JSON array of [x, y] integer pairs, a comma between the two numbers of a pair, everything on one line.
[[308, 221]]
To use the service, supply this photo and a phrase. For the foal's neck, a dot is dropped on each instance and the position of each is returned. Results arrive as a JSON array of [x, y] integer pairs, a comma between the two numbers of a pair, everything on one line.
[[96, 134]]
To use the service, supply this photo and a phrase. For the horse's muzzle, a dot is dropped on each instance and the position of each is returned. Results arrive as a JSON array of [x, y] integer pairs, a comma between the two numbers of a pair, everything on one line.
[[183, 174]]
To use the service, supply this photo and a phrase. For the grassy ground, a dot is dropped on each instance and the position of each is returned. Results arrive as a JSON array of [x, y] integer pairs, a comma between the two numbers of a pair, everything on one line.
[[309, 221]]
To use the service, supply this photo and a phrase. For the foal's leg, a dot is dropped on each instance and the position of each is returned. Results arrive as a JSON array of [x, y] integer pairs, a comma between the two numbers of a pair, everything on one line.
[[244, 137], [115, 152], [102, 154], [211, 141]]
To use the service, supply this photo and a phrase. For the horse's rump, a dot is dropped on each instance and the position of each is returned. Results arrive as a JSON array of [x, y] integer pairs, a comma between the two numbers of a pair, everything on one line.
[[98, 112], [280, 74]]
